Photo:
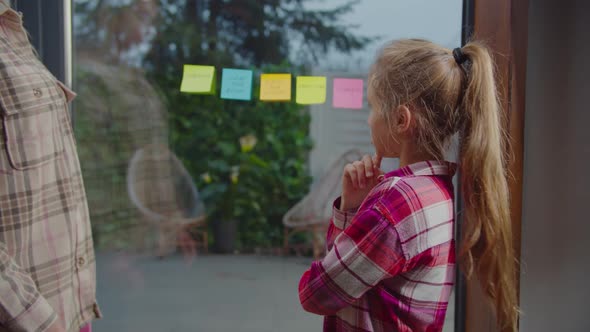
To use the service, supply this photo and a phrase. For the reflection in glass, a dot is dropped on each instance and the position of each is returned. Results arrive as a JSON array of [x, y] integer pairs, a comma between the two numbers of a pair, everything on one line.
[[169, 173]]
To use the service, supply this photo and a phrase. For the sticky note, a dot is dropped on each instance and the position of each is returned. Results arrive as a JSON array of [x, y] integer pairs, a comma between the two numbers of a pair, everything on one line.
[[236, 84], [348, 93], [198, 79], [311, 90], [275, 87]]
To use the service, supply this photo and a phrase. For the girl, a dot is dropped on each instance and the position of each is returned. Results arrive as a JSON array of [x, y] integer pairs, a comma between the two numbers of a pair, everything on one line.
[[390, 264]]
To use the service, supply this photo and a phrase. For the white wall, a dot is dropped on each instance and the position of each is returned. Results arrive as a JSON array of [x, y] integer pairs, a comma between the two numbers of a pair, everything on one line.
[[334, 131], [555, 281]]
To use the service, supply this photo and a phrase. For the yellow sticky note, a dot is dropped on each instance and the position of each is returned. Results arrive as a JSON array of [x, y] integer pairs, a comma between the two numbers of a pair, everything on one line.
[[311, 90], [275, 87], [198, 79]]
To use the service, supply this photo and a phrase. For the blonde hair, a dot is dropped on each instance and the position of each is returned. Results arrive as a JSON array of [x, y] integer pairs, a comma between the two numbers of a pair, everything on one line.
[[447, 97]]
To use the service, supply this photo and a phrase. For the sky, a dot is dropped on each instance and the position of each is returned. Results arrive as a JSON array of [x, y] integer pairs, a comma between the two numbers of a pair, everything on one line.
[[435, 20]]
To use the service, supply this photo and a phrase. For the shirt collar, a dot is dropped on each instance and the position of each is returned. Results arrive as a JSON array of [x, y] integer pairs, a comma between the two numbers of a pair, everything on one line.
[[10, 16], [4, 7], [425, 168]]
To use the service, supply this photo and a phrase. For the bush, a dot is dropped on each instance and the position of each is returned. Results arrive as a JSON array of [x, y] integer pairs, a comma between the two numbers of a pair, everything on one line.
[[254, 187]]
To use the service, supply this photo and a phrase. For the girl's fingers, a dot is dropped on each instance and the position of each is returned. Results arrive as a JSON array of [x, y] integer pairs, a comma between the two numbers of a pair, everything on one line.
[[350, 171], [368, 162], [364, 171], [360, 173]]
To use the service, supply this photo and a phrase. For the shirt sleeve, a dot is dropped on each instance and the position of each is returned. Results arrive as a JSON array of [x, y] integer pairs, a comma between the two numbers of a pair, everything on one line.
[[340, 220], [367, 251], [22, 307]]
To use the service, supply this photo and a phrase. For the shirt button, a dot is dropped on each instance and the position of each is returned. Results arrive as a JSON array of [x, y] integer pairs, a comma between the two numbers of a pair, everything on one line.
[[81, 261]]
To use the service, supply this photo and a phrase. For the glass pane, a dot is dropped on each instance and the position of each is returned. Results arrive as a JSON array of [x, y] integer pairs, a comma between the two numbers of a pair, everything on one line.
[[192, 195]]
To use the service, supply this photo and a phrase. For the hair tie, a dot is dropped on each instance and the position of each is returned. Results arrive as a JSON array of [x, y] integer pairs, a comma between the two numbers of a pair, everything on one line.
[[459, 56]]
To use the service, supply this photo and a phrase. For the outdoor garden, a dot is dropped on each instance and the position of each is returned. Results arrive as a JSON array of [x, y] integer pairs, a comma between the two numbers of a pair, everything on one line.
[[248, 159]]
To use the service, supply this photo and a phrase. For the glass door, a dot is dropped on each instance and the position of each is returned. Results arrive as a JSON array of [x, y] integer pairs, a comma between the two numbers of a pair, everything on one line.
[[188, 190]]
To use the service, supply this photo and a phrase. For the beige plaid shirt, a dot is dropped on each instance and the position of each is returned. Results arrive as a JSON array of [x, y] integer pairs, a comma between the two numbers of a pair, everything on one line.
[[47, 266]]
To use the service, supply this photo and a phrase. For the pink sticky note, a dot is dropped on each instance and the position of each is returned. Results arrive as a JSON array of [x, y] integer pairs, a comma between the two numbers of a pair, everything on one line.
[[348, 93]]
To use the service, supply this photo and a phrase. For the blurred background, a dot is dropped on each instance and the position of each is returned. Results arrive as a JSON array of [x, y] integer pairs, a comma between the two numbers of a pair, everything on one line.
[[205, 211], [170, 174]]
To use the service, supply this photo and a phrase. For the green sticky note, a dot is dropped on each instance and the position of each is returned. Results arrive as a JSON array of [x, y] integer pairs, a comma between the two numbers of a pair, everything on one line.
[[311, 90], [236, 84], [198, 79]]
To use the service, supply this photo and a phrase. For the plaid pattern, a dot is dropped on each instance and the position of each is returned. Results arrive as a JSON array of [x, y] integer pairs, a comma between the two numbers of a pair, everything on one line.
[[47, 267], [390, 265]]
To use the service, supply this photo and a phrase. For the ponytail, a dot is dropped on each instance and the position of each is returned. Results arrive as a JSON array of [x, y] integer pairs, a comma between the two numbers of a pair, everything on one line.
[[487, 246], [450, 92]]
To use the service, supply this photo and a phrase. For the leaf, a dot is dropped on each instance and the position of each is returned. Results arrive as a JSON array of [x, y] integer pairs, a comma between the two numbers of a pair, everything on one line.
[[227, 148], [213, 189], [219, 165], [257, 161]]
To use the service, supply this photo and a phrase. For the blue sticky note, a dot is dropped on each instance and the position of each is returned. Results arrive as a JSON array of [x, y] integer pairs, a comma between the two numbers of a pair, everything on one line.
[[236, 84]]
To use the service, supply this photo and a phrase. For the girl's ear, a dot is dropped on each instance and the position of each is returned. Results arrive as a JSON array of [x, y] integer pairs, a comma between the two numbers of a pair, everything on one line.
[[404, 119]]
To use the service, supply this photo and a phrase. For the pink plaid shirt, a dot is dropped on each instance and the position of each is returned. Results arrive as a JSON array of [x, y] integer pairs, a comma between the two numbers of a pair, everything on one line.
[[390, 265]]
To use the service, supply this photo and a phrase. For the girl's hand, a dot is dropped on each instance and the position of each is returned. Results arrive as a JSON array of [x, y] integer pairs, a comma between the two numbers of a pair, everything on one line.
[[358, 180]]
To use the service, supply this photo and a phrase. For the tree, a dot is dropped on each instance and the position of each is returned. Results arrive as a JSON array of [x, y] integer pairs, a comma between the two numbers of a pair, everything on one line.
[[251, 32]]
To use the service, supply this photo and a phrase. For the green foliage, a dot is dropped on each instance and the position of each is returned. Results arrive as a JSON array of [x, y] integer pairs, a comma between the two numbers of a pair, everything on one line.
[[206, 132], [255, 187]]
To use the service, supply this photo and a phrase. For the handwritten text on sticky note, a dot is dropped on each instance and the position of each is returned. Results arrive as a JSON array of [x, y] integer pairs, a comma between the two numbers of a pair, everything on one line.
[[198, 79], [348, 93], [275, 87], [311, 90], [236, 84]]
